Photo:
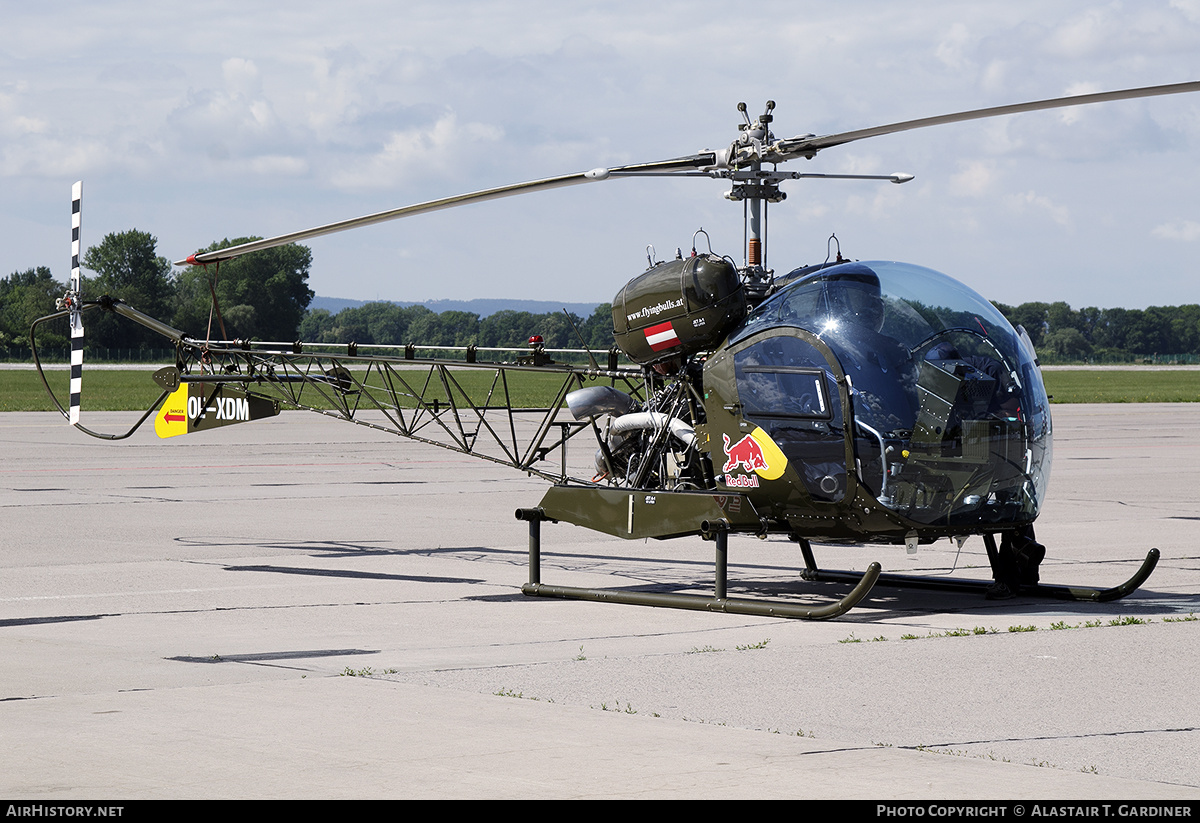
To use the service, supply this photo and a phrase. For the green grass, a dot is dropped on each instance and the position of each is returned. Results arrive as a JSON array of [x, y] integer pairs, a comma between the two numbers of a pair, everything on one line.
[[22, 390], [1123, 386], [121, 390], [135, 390]]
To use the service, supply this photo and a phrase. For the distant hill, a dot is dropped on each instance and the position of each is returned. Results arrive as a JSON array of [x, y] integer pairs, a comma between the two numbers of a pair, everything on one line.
[[481, 307]]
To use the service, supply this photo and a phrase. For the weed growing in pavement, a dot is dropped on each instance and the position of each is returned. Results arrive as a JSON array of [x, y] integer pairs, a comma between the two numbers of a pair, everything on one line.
[[1060, 625], [616, 707], [1127, 621], [507, 692], [762, 644]]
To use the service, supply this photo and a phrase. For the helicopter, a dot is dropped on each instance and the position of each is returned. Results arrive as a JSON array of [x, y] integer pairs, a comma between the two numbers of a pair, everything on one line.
[[871, 403]]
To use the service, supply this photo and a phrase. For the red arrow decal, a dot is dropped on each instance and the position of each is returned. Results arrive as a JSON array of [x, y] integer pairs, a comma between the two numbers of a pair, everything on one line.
[[174, 418]]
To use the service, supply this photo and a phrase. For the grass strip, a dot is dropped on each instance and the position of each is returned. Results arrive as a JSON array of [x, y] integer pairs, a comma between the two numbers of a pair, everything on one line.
[[135, 390], [126, 390]]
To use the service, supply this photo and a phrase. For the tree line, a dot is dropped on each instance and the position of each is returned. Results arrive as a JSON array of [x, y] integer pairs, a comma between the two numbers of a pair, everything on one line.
[[262, 296], [1062, 334], [389, 324], [265, 296]]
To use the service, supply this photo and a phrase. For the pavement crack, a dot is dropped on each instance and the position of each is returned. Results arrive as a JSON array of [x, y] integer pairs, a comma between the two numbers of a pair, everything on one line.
[[1052, 737]]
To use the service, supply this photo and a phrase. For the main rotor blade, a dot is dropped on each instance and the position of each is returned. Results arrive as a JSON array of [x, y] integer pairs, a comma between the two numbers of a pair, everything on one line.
[[808, 146], [677, 164]]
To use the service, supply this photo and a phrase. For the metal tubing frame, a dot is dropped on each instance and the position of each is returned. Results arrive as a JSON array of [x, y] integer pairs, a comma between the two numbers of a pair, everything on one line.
[[429, 404], [1080, 594], [719, 602], [424, 402], [37, 362]]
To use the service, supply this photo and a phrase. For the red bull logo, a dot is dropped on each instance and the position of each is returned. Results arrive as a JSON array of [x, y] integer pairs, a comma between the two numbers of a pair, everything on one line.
[[745, 453]]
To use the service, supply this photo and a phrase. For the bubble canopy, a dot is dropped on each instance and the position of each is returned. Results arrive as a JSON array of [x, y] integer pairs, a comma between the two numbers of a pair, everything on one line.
[[948, 417]]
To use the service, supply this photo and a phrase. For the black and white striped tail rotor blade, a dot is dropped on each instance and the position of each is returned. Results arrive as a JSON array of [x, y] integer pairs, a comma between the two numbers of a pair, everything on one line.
[[76, 303]]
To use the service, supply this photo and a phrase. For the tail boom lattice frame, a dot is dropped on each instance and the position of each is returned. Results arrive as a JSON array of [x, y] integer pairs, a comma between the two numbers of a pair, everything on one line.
[[464, 405]]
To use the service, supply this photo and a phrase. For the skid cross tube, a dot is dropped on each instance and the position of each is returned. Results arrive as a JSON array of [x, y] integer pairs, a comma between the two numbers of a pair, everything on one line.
[[717, 603]]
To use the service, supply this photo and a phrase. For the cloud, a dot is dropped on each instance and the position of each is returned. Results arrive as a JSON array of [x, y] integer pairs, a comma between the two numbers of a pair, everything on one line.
[[279, 165], [1186, 230], [975, 179], [26, 125], [241, 77], [1118, 30], [50, 158], [313, 113], [419, 152], [1030, 201], [1189, 8], [1084, 34], [952, 48], [233, 124]]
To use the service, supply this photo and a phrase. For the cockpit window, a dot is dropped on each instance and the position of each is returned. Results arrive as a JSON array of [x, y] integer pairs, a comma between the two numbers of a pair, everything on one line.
[[786, 387], [783, 377], [948, 416], [907, 303]]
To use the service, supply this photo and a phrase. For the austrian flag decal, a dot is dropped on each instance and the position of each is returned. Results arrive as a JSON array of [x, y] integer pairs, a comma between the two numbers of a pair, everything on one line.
[[662, 336]]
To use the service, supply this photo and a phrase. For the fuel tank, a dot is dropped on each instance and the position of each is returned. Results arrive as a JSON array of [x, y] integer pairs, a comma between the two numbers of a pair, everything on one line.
[[678, 308]]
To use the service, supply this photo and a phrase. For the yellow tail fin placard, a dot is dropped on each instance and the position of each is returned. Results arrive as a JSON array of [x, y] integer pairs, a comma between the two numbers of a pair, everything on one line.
[[199, 406]]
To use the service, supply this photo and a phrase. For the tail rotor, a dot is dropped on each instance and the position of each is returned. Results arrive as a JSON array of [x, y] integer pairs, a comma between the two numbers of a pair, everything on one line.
[[73, 302]]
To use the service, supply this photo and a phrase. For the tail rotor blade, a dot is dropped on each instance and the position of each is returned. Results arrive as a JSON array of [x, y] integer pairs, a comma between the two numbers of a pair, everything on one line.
[[76, 303]]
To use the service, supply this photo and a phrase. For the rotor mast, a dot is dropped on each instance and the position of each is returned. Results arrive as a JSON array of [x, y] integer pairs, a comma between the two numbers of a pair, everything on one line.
[[755, 189]]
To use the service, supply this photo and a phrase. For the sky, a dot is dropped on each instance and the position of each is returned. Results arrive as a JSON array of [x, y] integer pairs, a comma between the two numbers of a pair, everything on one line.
[[198, 122]]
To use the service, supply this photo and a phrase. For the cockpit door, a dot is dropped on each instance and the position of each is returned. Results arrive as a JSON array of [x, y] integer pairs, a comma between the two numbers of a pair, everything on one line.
[[790, 386]]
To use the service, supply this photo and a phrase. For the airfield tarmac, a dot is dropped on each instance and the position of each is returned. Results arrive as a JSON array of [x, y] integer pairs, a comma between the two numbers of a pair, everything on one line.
[[303, 608]]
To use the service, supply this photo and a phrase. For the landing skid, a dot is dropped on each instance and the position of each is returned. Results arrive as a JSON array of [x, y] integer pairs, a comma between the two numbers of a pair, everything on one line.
[[719, 602], [1083, 594]]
